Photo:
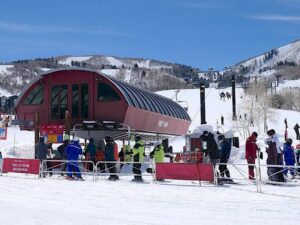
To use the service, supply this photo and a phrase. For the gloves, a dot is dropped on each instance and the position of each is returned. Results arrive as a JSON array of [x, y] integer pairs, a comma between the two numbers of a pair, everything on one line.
[[261, 155]]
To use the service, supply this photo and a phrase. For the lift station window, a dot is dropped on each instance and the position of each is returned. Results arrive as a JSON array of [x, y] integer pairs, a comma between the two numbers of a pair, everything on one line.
[[80, 101], [59, 101], [36, 96], [106, 93]]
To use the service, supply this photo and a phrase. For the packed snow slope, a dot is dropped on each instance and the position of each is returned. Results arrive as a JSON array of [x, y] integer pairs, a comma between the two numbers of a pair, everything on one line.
[[29, 201]]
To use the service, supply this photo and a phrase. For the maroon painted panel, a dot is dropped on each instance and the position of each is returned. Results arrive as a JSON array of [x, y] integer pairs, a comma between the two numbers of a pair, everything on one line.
[[154, 122], [185, 171]]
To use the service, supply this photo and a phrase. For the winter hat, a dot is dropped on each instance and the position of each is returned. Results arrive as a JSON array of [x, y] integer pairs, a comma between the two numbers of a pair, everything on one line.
[[271, 132], [289, 141], [107, 138], [42, 139]]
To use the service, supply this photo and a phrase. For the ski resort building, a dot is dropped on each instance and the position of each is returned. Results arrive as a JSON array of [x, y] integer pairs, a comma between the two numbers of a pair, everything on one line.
[[97, 104]]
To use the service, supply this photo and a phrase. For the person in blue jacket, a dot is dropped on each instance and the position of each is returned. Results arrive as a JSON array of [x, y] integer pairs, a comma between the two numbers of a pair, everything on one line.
[[73, 150], [289, 157]]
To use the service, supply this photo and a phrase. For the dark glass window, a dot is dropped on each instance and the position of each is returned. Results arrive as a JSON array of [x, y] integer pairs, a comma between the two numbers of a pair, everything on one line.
[[106, 93], [59, 101], [84, 93], [75, 101], [36, 96], [80, 101]]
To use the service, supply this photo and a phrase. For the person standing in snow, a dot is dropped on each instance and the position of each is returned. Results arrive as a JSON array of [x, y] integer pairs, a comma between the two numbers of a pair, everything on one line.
[[296, 128], [41, 152], [73, 151], [225, 149], [91, 153], [222, 120], [138, 152], [274, 157], [62, 151], [289, 157], [110, 158], [250, 154], [210, 148]]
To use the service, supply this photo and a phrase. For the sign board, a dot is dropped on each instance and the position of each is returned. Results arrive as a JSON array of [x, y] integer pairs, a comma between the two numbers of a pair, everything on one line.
[[28, 166], [53, 133], [3, 133]]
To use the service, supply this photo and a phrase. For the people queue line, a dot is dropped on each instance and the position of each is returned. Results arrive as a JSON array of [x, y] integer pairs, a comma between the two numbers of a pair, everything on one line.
[[280, 160], [107, 153], [215, 147]]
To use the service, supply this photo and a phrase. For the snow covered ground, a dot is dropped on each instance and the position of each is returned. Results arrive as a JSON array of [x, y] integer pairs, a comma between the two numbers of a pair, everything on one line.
[[27, 200]]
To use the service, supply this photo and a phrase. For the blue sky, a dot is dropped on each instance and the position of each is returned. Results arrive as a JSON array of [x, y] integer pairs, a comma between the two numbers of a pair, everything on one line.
[[203, 33]]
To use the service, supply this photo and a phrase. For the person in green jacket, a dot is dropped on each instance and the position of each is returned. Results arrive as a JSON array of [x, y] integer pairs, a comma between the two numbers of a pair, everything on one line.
[[158, 153], [138, 152]]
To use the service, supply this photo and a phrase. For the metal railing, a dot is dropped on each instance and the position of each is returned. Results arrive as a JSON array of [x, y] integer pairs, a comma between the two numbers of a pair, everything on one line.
[[98, 169], [107, 168]]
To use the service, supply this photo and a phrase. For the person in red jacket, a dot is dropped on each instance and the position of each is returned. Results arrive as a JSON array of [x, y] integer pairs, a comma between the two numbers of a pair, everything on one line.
[[251, 149]]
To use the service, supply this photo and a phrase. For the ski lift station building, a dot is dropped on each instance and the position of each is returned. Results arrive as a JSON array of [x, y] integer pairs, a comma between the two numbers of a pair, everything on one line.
[[93, 96]]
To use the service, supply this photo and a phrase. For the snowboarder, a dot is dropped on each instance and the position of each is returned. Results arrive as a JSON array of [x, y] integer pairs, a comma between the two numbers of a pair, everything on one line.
[[250, 154], [296, 128]]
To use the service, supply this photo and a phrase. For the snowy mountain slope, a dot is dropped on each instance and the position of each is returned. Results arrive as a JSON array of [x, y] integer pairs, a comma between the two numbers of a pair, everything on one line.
[[289, 53], [3, 68], [145, 73], [68, 60]]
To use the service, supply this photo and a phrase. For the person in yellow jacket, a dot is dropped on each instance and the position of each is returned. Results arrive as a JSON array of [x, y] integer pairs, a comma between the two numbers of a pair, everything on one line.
[[138, 152], [158, 153]]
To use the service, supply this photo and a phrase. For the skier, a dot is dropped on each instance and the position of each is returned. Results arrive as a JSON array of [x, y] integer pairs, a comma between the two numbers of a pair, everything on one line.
[[274, 157], [210, 147], [225, 147], [158, 153], [289, 157], [296, 128], [110, 158], [41, 152], [250, 154], [73, 151], [62, 150], [91, 153], [138, 152]]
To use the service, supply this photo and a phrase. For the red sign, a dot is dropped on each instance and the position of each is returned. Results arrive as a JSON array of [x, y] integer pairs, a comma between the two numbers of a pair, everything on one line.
[[3, 133], [185, 171], [29, 166], [53, 133]]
